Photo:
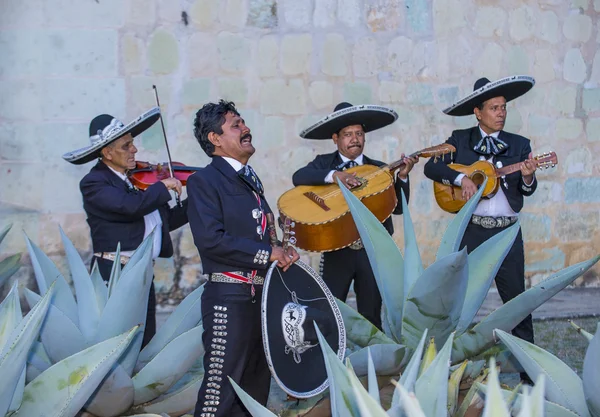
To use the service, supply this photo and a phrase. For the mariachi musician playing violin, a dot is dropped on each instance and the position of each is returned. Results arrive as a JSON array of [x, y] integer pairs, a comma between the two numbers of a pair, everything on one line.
[[117, 211]]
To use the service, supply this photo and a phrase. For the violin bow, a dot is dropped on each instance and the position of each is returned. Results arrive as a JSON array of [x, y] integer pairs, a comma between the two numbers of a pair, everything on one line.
[[169, 161]]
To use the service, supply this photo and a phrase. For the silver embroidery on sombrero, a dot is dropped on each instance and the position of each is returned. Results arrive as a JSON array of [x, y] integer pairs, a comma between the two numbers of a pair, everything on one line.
[[103, 135], [292, 319], [212, 396]]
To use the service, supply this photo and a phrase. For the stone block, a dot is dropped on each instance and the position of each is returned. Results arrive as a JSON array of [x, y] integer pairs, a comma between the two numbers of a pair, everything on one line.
[[543, 66], [235, 13], [67, 52], [365, 59], [576, 225], [163, 52], [597, 5], [490, 21], [321, 94], [574, 68], [547, 194], [234, 51], [489, 63], [141, 12], [20, 185], [545, 260], [358, 93], [563, 99], [419, 94], [349, 12], [21, 53], [595, 77], [448, 15], [540, 126], [593, 129], [131, 54], [205, 13], [536, 227], [568, 128], [201, 52], [195, 92], [383, 16], [591, 100], [297, 14], [272, 134], [334, 56], [324, 13], [142, 93], [518, 60], [521, 22], [578, 27], [418, 15], [391, 92], [581, 4], [23, 221], [73, 13], [20, 142], [277, 96], [23, 15], [514, 121], [60, 186], [447, 95], [296, 51], [547, 27], [233, 89], [268, 56], [262, 14], [399, 53], [170, 11], [582, 190]]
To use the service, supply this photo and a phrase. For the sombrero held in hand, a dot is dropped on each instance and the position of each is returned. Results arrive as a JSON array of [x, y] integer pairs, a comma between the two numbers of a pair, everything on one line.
[[370, 116], [509, 87]]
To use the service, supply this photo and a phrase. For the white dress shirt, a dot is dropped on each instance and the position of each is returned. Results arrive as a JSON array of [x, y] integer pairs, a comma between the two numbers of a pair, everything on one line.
[[235, 164], [358, 160], [151, 221]]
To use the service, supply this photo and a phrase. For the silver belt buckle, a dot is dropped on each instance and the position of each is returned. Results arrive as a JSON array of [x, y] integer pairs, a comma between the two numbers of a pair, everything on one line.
[[358, 245]]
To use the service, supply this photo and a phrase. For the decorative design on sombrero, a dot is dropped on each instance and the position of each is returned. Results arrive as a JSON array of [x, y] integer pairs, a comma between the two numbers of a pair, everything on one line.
[[105, 129], [292, 302], [510, 88], [370, 116]]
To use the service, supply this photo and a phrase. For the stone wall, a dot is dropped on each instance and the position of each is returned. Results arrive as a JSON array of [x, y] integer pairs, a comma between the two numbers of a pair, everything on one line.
[[285, 64]]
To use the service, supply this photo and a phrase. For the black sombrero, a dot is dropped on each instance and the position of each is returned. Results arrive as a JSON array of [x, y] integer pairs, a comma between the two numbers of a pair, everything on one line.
[[105, 129], [510, 88], [370, 116], [292, 301]]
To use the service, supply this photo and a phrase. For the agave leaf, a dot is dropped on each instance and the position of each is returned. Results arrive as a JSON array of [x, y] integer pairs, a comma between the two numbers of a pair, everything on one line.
[[456, 229], [480, 337], [413, 266], [431, 388], [408, 402], [37, 362], [365, 402], [525, 404], [139, 254], [550, 409], [115, 272], [64, 388], [56, 323], [385, 259], [410, 373], [45, 274], [591, 374], [168, 366], [114, 395], [372, 379], [564, 386], [186, 316], [359, 330], [388, 359], [4, 231], [10, 314], [429, 356], [454, 387], [537, 397], [253, 406], [100, 287], [13, 356], [9, 266], [435, 301], [581, 331], [87, 304], [473, 391], [484, 263], [494, 400]]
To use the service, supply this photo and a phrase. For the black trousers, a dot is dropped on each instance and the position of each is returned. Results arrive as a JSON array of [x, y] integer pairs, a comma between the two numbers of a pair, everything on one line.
[[233, 348], [105, 266], [340, 268], [510, 279]]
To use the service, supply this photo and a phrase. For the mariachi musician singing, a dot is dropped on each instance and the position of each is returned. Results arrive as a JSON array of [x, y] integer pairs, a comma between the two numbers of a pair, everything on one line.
[[118, 212]]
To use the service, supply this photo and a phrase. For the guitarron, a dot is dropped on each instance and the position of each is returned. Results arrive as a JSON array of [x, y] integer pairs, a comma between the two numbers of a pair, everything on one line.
[[322, 219], [449, 197]]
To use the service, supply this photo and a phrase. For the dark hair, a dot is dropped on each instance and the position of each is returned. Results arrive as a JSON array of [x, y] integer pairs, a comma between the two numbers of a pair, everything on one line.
[[210, 118]]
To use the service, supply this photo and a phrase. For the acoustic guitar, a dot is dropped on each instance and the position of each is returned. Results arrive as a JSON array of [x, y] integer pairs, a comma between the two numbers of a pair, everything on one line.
[[321, 217], [449, 197]]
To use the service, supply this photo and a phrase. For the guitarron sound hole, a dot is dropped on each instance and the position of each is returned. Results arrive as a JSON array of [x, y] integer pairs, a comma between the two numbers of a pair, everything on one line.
[[478, 177]]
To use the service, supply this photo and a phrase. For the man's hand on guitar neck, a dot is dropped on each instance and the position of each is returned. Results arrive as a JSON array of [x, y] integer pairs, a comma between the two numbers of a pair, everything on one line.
[[348, 179], [528, 167], [284, 257], [468, 188], [409, 162]]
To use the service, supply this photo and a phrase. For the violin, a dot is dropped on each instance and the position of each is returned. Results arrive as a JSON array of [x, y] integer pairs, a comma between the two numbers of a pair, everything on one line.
[[145, 174]]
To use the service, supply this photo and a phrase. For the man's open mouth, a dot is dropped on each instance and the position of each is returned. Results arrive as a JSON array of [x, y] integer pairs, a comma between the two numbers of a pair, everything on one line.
[[246, 139]]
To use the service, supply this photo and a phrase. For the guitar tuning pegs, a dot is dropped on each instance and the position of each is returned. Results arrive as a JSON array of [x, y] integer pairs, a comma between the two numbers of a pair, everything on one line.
[[292, 224], [292, 233]]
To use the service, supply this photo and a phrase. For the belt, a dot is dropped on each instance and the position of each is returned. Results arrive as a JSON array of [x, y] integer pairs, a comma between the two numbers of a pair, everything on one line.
[[111, 257], [221, 277], [358, 245], [489, 222]]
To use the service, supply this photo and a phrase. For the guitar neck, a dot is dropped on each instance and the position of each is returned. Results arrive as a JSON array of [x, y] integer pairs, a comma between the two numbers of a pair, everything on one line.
[[399, 163], [509, 169]]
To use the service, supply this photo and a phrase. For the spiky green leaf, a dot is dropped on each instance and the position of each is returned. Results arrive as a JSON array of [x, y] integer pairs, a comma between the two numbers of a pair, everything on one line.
[[10, 314], [359, 330], [114, 395], [388, 359], [411, 372], [413, 265], [100, 287], [253, 406], [372, 379], [591, 374], [537, 397], [581, 331], [454, 386], [408, 402], [365, 402], [8, 266], [115, 271], [494, 400]]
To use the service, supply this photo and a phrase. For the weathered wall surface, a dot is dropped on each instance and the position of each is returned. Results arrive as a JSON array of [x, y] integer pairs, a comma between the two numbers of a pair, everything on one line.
[[287, 63]]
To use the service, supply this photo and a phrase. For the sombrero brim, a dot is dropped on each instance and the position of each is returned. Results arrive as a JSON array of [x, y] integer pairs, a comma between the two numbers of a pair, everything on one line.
[[370, 116], [136, 127], [510, 88]]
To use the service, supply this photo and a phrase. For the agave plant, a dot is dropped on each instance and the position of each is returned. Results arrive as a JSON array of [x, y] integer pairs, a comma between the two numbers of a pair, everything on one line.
[[9, 265], [163, 377]]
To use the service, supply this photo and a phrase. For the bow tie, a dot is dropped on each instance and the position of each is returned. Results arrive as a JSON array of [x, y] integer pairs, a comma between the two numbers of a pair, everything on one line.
[[345, 165], [248, 175], [490, 145]]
